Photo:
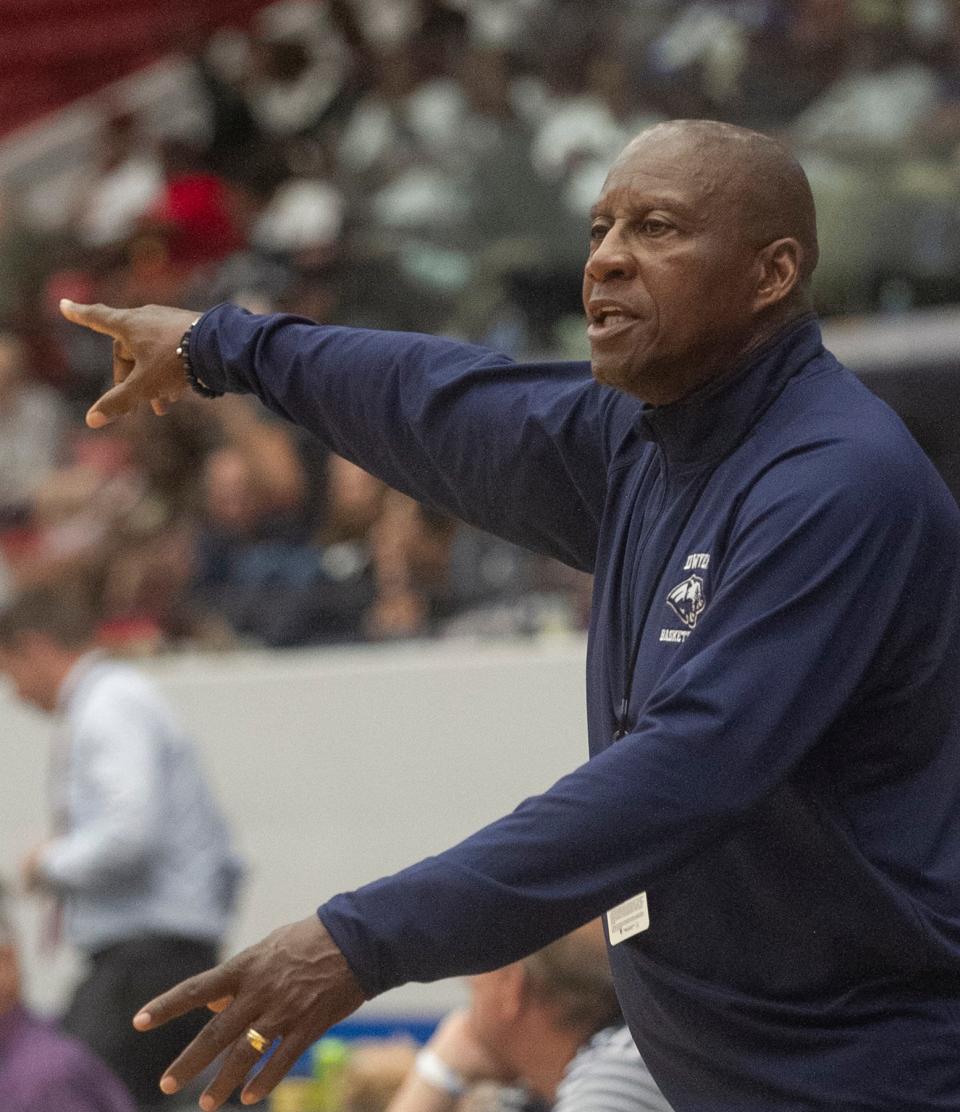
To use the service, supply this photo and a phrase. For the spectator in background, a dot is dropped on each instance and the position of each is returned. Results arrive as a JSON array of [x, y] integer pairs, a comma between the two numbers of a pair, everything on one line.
[[140, 859], [32, 427], [42, 1070], [255, 568], [119, 519], [411, 551], [374, 1071], [125, 181], [87, 521], [811, 46], [550, 1023], [193, 210], [26, 257], [876, 105]]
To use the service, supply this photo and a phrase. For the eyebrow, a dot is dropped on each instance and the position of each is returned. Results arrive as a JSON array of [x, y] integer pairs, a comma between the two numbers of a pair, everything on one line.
[[651, 202]]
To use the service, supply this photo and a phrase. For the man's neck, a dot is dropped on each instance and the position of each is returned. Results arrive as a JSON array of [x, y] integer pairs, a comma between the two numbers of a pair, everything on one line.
[[723, 367]]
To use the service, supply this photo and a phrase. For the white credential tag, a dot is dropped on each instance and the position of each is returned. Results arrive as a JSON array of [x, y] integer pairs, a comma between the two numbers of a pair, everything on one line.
[[627, 919]]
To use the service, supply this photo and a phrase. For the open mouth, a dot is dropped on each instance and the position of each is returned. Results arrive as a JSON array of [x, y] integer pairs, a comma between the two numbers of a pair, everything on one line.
[[604, 321]]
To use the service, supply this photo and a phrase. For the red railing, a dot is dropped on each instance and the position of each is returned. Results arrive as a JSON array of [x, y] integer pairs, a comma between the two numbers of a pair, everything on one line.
[[53, 51]]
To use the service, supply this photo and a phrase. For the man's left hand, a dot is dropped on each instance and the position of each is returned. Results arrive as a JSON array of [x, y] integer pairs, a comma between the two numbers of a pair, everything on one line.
[[290, 988]]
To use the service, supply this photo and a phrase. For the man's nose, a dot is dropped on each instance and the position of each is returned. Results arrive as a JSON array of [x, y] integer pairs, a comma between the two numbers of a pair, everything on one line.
[[610, 259]]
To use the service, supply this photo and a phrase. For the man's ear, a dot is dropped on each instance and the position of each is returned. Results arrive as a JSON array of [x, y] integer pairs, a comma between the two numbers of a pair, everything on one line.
[[779, 272]]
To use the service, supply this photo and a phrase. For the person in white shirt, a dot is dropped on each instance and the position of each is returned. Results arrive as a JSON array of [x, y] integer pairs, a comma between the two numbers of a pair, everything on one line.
[[140, 861]]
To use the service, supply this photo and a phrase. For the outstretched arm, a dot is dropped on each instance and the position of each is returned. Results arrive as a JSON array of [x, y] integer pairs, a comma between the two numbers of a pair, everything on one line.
[[520, 450]]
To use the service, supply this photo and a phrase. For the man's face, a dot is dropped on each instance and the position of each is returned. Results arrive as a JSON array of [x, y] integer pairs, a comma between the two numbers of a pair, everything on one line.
[[670, 279], [27, 666]]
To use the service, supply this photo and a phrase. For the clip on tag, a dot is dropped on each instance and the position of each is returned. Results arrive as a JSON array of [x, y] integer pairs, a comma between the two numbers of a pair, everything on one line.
[[628, 918]]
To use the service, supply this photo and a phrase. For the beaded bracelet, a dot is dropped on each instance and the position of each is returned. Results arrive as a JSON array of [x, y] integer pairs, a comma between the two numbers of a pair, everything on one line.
[[196, 383]]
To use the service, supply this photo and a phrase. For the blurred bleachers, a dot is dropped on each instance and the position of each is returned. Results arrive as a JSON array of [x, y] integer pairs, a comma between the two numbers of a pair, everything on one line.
[[418, 164]]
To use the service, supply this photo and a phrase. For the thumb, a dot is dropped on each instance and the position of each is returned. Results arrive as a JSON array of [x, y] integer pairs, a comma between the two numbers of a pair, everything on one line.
[[98, 318], [113, 404]]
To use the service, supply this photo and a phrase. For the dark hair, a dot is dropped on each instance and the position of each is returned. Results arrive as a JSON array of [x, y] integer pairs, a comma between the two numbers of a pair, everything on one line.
[[62, 614]]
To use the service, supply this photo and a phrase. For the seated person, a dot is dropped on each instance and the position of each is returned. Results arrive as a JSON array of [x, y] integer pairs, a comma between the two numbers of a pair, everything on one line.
[[549, 1023], [32, 432], [40, 1069], [253, 570]]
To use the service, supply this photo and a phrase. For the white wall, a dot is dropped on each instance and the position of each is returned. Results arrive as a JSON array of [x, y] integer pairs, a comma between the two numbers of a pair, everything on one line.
[[336, 767]]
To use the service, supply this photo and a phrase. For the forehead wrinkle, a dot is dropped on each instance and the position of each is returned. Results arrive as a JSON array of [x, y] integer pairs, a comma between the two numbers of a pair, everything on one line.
[[691, 183], [757, 182], [642, 199]]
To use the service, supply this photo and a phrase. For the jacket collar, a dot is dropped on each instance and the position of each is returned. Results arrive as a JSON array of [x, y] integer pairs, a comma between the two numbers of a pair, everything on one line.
[[707, 424]]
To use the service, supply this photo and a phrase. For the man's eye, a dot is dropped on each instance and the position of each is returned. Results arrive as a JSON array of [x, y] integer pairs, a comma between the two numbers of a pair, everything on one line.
[[597, 232], [655, 227]]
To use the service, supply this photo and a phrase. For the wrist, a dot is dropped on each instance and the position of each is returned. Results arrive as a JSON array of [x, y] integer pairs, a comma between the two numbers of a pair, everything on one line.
[[186, 357], [436, 1072]]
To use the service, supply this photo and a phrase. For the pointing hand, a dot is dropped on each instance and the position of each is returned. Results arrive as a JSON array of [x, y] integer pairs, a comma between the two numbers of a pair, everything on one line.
[[146, 366]]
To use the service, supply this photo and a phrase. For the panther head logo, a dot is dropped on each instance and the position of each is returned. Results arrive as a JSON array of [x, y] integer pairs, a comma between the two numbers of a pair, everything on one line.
[[687, 601]]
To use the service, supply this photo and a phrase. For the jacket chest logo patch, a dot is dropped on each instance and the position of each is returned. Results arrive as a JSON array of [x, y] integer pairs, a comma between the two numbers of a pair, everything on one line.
[[687, 601]]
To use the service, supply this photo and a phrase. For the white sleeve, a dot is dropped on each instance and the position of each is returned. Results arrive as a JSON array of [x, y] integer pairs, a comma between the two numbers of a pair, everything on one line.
[[114, 759]]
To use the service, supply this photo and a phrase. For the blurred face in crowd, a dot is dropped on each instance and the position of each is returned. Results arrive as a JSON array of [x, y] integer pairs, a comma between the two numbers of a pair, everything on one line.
[[11, 365], [680, 268], [230, 498], [35, 666]]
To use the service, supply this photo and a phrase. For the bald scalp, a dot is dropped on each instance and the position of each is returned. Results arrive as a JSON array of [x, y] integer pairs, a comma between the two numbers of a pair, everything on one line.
[[755, 175]]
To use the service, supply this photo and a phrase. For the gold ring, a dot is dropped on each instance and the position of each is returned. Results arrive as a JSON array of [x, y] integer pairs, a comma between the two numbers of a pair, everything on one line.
[[257, 1041]]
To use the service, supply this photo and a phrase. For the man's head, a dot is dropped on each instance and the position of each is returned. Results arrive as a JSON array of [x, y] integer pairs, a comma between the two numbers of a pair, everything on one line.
[[9, 967], [533, 1015], [702, 244], [43, 632]]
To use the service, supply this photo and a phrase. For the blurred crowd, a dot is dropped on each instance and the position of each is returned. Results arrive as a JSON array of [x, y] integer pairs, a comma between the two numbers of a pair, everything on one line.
[[412, 164]]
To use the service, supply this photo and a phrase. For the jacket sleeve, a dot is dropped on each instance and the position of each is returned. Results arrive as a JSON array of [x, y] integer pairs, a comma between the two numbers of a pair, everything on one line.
[[518, 450], [803, 607]]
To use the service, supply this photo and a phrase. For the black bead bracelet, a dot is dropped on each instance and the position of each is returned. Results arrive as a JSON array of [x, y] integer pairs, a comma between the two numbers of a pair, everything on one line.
[[196, 383]]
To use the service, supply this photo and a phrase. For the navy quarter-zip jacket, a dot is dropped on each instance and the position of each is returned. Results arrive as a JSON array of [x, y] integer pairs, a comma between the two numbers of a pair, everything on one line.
[[777, 601]]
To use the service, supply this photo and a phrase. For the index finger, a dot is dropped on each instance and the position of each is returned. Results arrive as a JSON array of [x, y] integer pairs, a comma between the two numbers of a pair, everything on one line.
[[115, 403], [98, 318], [195, 992]]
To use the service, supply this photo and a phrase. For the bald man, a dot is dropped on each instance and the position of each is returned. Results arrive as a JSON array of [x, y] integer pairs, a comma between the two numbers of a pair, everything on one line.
[[769, 817]]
